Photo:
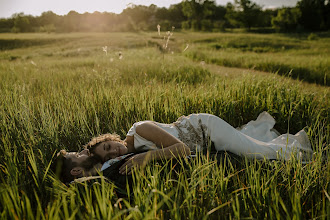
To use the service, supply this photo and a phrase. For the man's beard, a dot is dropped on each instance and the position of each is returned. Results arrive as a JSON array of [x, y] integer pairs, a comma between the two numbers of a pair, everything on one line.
[[91, 162]]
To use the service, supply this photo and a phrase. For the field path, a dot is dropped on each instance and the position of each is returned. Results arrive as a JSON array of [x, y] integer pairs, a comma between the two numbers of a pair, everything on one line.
[[234, 72]]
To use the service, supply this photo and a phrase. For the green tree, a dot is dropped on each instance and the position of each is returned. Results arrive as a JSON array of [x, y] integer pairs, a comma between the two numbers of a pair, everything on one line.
[[142, 17], [6, 25], [315, 14], [266, 16], [232, 16], [162, 14], [196, 11], [185, 25], [243, 13], [72, 22], [176, 15], [218, 12], [21, 23], [48, 21], [286, 19], [163, 19]]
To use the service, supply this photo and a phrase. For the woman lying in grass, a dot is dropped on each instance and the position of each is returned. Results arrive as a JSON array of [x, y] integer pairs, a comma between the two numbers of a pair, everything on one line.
[[192, 133]]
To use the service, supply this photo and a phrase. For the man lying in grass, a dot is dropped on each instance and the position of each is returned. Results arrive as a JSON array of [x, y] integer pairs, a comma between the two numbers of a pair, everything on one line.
[[193, 133], [76, 167]]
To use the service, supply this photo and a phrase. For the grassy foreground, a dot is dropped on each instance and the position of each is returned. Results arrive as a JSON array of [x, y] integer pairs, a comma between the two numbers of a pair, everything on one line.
[[58, 91]]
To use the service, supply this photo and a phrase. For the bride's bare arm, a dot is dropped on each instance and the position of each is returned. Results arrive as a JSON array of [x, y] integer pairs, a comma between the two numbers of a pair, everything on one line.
[[130, 143], [168, 146]]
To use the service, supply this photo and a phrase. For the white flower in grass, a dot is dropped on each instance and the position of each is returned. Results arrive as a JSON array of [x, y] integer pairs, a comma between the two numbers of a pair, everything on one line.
[[158, 27], [169, 34], [165, 46], [187, 46], [105, 50], [33, 63]]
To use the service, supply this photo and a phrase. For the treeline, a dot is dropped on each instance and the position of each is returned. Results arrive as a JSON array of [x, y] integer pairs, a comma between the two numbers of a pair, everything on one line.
[[197, 15]]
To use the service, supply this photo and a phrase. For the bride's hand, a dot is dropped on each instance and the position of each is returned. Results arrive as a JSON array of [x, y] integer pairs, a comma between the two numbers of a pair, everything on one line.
[[138, 161]]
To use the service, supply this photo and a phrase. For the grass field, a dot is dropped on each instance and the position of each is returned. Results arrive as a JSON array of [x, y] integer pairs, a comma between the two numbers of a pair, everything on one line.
[[60, 90]]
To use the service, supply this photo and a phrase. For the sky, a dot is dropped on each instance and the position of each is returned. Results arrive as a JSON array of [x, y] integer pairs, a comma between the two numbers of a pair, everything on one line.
[[61, 7]]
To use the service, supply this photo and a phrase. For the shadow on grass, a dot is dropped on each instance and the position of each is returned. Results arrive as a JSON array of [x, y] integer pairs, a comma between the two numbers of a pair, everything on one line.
[[10, 44], [318, 76]]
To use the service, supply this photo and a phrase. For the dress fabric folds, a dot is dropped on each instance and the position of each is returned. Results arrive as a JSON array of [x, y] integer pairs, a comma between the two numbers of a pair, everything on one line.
[[257, 139]]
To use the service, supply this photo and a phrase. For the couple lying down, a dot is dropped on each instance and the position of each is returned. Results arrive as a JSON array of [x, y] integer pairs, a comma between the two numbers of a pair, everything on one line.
[[148, 141]]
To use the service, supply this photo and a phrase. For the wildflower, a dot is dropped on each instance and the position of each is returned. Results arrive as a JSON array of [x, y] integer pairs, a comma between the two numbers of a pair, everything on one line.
[[105, 49], [118, 203], [158, 27], [186, 48], [33, 63], [169, 34]]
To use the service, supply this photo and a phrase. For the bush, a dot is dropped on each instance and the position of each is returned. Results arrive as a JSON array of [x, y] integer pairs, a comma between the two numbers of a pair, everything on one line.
[[165, 25], [286, 19], [195, 25], [207, 25], [48, 28], [312, 36], [185, 25], [219, 26]]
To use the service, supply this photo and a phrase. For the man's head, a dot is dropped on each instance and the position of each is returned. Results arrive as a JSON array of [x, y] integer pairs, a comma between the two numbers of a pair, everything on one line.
[[70, 165]]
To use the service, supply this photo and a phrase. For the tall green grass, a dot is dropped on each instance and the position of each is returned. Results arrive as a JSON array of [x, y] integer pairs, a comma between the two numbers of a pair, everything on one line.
[[300, 58], [61, 101]]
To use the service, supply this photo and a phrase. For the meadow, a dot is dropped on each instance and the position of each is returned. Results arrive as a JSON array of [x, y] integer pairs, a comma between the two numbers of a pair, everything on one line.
[[60, 90]]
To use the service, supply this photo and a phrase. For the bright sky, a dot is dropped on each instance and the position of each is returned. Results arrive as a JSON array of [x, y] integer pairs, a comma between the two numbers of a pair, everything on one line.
[[61, 7]]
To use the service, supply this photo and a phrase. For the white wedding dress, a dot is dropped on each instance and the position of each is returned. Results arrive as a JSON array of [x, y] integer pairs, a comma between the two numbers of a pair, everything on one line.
[[257, 139]]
